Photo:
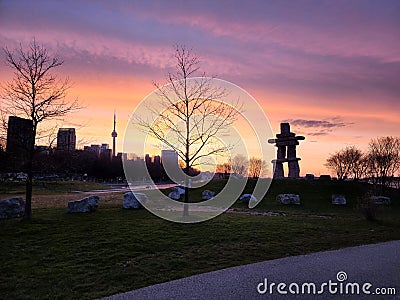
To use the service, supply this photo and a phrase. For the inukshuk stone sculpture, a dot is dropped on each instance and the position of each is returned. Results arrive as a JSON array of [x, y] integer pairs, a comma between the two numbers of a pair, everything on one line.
[[286, 142]]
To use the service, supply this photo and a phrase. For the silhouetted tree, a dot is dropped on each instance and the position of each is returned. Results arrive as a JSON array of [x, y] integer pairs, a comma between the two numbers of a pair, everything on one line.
[[35, 93], [256, 167], [384, 159], [360, 169], [190, 114], [240, 165], [345, 162], [225, 168]]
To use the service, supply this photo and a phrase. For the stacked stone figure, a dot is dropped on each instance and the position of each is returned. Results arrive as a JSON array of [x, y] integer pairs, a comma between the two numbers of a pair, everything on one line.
[[286, 142]]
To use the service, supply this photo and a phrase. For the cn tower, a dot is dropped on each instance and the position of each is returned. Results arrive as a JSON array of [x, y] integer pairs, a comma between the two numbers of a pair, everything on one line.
[[114, 135]]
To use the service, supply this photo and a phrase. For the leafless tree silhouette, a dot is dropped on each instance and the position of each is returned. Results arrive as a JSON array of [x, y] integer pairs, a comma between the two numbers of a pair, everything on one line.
[[256, 167], [384, 159], [240, 165], [346, 162], [190, 114], [35, 93]]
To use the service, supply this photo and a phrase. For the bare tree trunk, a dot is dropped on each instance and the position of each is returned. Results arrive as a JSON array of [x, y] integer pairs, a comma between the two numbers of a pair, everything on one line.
[[187, 146], [186, 199], [28, 191], [29, 179]]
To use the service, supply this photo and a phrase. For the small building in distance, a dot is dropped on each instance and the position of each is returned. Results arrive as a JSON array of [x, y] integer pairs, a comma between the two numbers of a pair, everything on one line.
[[66, 139], [102, 151], [93, 148]]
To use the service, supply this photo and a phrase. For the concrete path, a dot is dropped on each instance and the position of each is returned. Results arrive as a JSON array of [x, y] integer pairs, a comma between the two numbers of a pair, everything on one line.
[[369, 267]]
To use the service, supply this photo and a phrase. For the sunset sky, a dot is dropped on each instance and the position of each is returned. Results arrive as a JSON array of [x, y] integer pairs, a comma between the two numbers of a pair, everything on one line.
[[330, 68]]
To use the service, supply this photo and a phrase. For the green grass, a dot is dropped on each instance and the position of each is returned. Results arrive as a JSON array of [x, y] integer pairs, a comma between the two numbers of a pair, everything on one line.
[[315, 196], [50, 187], [58, 255]]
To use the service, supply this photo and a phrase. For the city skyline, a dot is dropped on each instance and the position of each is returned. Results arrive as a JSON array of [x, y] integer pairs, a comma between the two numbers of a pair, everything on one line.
[[329, 69]]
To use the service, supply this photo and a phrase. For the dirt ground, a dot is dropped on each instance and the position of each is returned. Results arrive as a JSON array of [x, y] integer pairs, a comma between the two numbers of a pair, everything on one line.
[[61, 200]]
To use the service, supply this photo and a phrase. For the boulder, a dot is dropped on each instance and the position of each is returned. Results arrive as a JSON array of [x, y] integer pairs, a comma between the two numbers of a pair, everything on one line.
[[174, 195], [288, 199], [131, 200], [207, 195], [179, 190], [246, 198], [88, 204], [12, 208], [380, 200], [338, 199]]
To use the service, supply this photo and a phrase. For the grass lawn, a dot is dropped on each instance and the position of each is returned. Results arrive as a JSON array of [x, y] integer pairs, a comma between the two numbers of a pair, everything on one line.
[[114, 250], [50, 187]]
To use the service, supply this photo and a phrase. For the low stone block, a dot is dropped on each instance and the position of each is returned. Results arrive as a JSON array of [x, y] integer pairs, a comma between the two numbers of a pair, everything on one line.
[[247, 198], [380, 200], [179, 190], [207, 195], [174, 195], [131, 200], [88, 204], [12, 208], [288, 199], [338, 199]]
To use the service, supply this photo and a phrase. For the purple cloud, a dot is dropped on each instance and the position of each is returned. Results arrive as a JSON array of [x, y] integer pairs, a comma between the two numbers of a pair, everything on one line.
[[334, 122], [319, 127]]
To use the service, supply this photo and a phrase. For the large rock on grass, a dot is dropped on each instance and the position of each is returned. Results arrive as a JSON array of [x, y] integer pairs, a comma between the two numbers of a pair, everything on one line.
[[380, 200], [88, 204], [175, 195], [12, 208], [339, 199], [179, 190], [247, 198], [288, 199], [131, 200], [207, 195]]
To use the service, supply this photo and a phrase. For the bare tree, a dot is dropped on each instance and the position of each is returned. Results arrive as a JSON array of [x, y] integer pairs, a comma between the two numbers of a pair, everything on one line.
[[256, 167], [190, 114], [360, 169], [240, 165], [347, 161], [35, 93], [384, 159], [226, 167], [335, 163]]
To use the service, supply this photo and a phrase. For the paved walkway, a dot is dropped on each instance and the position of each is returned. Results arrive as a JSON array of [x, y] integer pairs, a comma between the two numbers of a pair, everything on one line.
[[378, 264]]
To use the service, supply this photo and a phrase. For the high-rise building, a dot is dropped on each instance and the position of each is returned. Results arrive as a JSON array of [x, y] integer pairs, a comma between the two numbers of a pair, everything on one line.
[[19, 140], [157, 160], [66, 139], [105, 152], [147, 159], [114, 136]]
